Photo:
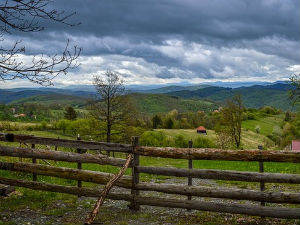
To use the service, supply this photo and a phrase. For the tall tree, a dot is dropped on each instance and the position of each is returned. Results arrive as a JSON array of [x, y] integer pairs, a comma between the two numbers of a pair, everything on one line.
[[295, 92], [70, 113], [111, 105], [156, 121], [232, 118], [26, 16]]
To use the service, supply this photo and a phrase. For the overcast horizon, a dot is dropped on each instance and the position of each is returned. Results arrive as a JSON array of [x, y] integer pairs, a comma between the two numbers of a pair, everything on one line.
[[164, 42]]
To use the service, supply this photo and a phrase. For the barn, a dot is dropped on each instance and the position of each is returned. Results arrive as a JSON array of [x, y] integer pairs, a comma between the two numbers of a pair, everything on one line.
[[201, 130], [296, 145]]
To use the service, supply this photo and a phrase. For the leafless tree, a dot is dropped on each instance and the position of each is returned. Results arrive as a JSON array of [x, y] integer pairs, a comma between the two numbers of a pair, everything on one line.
[[111, 105], [26, 16]]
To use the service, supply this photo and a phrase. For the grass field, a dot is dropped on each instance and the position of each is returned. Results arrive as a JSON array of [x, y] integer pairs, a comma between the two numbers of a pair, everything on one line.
[[266, 124], [250, 139], [36, 200]]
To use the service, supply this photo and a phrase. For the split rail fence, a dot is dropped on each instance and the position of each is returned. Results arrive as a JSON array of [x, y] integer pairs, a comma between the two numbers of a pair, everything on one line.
[[86, 154]]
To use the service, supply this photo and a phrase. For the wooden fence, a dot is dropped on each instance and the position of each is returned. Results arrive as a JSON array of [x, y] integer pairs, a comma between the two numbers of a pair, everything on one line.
[[85, 153]]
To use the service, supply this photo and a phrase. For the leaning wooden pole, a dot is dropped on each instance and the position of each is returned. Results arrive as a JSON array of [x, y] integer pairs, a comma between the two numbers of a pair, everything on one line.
[[106, 190]]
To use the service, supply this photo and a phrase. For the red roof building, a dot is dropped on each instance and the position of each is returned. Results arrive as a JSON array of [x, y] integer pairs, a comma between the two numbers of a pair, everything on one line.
[[201, 130], [296, 145]]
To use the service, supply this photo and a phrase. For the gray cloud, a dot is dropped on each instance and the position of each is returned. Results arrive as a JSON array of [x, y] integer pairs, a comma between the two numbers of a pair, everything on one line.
[[185, 40]]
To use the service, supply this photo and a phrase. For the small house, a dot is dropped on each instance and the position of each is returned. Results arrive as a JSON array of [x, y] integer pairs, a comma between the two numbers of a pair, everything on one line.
[[201, 130], [296, 145]]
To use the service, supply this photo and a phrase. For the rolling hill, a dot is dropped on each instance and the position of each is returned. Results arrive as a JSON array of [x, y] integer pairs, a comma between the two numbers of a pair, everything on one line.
[[158, 103], [163, 90], [162, 99], [253, 97], [53, 98]]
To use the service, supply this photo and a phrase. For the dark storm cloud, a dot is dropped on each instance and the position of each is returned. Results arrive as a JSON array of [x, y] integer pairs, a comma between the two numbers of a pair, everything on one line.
[[224, 20], [213, 22], [209, 39]]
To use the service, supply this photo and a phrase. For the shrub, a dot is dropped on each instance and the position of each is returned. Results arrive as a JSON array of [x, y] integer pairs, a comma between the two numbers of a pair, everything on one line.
[[257, 129], [251, 116], [203, 142], [152, 138], [180, 141], [269, 110]]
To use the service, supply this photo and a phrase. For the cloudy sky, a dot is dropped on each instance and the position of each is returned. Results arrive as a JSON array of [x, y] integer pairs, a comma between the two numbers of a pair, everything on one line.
[[174, 41]]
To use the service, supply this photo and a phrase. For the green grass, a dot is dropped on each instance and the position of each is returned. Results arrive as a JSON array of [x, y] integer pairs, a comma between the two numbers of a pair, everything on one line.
[[43, 200], [266, 124], [250, 139]]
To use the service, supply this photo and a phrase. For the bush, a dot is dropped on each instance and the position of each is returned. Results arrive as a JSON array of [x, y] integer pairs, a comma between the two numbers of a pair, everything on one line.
[[62, 125], [257, 129], [203, 142], [180, 141], [269, 110], [251, 116], [44, 125], [152, 138]]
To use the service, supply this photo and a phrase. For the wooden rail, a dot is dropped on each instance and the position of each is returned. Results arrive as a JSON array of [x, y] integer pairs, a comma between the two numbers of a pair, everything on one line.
[[219, 154], [67, 173], [135, 185], [222, 174], [277, 212], [60, 156], [90, 145]]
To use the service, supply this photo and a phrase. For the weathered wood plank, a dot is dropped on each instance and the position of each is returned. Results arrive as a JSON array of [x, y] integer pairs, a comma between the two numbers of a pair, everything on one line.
[[276, 212], [90, 145], [222, 174], [135, 175], [217, 154], [67, 173], [6, 189], [59, 156], [213, 192]]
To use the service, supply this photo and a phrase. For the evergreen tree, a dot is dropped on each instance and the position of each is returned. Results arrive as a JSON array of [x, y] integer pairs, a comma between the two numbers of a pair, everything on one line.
[[70, 113], [287, 116], [156, 121], [169, 123]]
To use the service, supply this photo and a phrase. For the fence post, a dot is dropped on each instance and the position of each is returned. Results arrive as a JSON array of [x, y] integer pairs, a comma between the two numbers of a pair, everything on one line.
[[190, 179], [55, 149], [135, 175], [34, 176], [79, 165], [261, 170]]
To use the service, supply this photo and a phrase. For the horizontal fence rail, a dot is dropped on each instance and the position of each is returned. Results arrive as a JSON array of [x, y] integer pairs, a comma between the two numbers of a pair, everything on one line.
[[125, 182], [219, 154], [222, 174], [230, 193], [90, 145], [277, 212], [133, 182], [67, 173], [60, 156]]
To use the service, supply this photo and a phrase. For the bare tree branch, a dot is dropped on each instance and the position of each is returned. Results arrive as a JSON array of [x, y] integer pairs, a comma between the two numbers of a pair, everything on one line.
[[25, 16]]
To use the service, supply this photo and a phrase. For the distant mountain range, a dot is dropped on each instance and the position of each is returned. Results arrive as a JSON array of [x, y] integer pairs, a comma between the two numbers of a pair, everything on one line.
[[256, 96], [273, 94]]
